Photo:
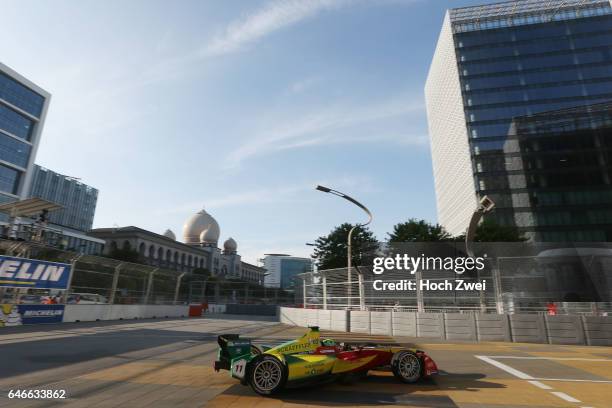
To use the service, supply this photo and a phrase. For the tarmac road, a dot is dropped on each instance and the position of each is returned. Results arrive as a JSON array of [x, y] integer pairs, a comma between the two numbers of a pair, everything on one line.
[[168, 363]]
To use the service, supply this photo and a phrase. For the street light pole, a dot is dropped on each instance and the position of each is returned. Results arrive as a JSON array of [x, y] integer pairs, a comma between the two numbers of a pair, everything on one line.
[[485, 205], [349, 245]]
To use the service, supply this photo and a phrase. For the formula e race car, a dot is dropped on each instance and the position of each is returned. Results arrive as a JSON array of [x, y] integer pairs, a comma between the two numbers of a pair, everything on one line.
[[309, 359]]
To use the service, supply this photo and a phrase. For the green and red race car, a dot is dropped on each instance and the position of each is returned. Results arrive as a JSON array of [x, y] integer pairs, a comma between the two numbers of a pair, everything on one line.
[[310, 359]]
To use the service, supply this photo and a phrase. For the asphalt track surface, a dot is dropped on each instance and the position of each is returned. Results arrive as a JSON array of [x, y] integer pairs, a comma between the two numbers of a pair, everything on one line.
[[168, 363]]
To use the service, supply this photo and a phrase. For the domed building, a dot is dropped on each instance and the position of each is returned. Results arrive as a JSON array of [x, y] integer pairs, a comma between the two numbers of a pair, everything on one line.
[[199, 249]]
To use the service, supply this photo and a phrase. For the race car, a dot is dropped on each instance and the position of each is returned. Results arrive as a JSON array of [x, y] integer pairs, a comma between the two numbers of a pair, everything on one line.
[[309, 359]]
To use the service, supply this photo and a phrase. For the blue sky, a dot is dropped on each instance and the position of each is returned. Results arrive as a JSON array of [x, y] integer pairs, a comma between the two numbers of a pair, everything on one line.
[[238, 106]]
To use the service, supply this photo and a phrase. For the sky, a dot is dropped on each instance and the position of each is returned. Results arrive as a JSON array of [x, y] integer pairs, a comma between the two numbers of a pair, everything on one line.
[[238, 107]]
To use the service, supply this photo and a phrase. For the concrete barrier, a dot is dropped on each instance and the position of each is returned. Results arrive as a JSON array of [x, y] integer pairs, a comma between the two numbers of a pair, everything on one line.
[[381, 323], [324, 319], [90, 313], [460, 326], [492, 327], [598, 330], [259, 310], [528, 328], [339, 320], [404, 324], [564, 330], [215, 308], [430, 325], [360, 322]]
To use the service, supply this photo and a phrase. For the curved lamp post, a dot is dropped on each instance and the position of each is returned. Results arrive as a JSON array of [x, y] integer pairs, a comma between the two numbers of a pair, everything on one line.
[[349, 245], [485, 205]]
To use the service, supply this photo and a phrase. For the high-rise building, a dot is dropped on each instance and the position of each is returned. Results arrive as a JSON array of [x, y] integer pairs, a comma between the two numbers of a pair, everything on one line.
[[23, 107], [282, 270], [78, 199], [501, 75]]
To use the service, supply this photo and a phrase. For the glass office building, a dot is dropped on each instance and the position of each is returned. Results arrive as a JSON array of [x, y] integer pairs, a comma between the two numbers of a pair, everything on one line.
[[78, 199], [506, 73], [23, 107], [282, 270]]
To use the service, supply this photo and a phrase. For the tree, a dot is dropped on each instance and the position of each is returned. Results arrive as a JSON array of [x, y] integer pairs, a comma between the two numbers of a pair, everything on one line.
[[331, 250], [125, 254], [490, 231], [418, 231]]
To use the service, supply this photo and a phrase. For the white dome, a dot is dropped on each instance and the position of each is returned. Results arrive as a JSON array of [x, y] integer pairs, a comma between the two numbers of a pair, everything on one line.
[[230, 245], [170, 234], [210, 235], [197, 224]]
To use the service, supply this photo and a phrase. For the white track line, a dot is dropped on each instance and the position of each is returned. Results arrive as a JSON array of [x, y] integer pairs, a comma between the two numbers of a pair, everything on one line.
[[540, 385], [574, 380], [553, 358], [530, 379], [506, 368], [564, 396]]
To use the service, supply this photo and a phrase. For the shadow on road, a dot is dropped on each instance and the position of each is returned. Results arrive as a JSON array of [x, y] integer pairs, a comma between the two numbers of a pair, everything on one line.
[[381, 390], [30, 356]]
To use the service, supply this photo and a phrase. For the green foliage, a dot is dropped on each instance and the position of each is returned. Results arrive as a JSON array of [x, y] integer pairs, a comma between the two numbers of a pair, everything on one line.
[[126, 255], [418, 231], [331, 250], [490, 231]]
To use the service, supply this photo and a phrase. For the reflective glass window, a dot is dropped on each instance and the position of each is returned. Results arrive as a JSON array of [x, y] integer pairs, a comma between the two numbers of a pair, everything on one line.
[[9, 179], [14, 151], [15, 123], [20, 96]]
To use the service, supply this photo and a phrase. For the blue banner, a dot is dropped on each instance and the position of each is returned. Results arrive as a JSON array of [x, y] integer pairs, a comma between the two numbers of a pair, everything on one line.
[[32, 273], [16, 315]]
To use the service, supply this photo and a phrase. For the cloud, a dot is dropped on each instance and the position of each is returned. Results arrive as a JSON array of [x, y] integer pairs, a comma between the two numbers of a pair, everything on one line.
[[273, 17], [323, 128]]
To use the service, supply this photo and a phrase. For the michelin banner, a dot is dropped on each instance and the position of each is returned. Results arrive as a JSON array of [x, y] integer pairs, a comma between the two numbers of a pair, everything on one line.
[[33, 273], [16, 315]]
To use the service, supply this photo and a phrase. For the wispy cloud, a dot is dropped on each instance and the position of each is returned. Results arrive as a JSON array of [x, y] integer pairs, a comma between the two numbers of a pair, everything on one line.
[[272, 17], [324, 127]]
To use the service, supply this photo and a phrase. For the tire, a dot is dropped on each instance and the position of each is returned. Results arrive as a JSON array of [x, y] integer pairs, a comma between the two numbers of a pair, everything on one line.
[[407, 367], [267, 375]]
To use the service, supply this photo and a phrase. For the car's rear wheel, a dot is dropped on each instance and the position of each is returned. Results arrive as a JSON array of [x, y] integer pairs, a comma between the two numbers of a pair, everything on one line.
[[407, 367], [267, 375]]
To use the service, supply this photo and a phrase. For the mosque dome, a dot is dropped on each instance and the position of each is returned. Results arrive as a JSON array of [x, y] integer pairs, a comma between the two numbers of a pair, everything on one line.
[[210, 236], [170, 234], [230, 245], [197, 224]]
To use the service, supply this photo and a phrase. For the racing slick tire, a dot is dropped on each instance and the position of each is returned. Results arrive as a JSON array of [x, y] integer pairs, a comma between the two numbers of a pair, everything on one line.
[[407, 367], [267, 375]]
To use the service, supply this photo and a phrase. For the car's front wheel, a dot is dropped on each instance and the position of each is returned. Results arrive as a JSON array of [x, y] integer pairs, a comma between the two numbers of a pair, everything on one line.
[[267, 375], [407, 367]]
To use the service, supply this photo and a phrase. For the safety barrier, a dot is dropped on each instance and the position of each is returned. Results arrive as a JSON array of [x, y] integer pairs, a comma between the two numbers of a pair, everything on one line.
[[527, 328], [88, 313]]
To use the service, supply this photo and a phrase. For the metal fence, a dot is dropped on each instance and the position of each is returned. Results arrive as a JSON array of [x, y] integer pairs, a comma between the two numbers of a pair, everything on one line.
[[98, 279], [545, 280]]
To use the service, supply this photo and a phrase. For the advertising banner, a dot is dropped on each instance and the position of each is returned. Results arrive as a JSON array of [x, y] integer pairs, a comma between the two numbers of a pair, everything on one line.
[[33, 273], [16, 315]]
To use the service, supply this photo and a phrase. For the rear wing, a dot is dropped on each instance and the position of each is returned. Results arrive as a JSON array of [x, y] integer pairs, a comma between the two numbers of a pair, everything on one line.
[[230, 347]]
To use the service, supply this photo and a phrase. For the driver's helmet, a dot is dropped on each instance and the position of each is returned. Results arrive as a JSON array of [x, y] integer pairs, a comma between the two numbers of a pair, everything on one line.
[[328, 342]]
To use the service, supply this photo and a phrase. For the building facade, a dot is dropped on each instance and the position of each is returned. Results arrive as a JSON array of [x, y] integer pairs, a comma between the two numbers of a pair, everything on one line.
[[282, 270], [23, 108], [78, 199], [494, 67], [199, 249]]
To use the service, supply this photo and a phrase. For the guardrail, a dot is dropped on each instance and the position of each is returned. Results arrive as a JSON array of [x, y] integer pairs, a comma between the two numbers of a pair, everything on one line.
[[524, 328]]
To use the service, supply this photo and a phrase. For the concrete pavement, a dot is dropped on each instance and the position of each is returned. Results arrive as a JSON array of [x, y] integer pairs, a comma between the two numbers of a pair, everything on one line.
[[168, 363]]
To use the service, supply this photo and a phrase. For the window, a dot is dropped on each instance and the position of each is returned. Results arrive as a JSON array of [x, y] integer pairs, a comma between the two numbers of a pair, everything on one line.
[[22, 97], [9, 179], [14, 151], [14, 123]]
